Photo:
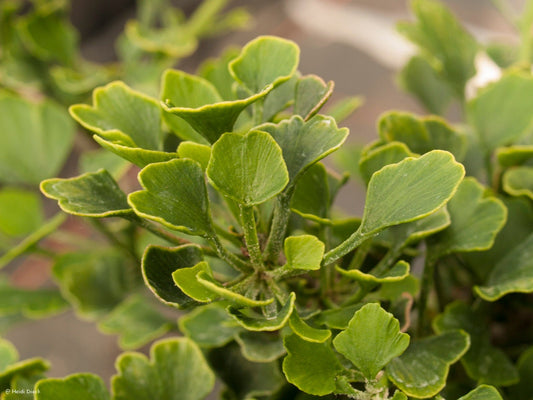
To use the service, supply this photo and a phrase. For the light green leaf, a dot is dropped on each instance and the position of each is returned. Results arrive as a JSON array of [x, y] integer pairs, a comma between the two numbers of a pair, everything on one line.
[[265, 60], [25, 367], [422, 370], [122, 116], [522, 390], [303, 252], [136, 321], [196, 101], [176, 370], [482, 362], [93, 282], [36, 303], [343, 108], [312, 367], [422, 134], [514, 155], [245, 380], [20, 212], [410, 190], [392, 291], [498, 123], [397, 273], [94, 160], [209, 325], [448, 47], [476, 219], [195, 151], [186, 279], [311, 94], [307, 332], [76, 386], [377, 158], [518, 181], [305, 142], [247, 168], [260, 346], [420, 79], [372, 340], [399, 396], [512, 274], [8, 354], [483, 392], [35, 139], [159, 263], [217, 72], [94, 194], [175, 195], [255, 322]]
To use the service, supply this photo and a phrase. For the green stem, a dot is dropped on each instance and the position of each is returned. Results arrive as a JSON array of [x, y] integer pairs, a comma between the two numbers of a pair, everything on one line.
[[280, 221], [360, 255], [251, 238], [426, 285], [159, 232], [344, 248], [228, 256]]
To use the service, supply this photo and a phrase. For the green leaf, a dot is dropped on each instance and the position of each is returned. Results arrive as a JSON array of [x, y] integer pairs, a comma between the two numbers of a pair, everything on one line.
[[448, 47], [303, 252], [260, 346], [176, 370], [422, 134], [265, 60], [311, 198], [279, 99], [247, 168], [379, 157], [245, 379], [8, 354], [311, 94], [195, 151], [196, 101], [392, 291], [255, 322], [422, 370], [186, 280], [518, 181], [93, 282], [343, 108], [307, 332], [476, 219], [483, 392], [217, 72], [35, 139], [512, 274], [20, 212], [312, 367], [23, 387], [136, 321], [94, 194], [498, 123], [94, 160], [420, 79], [305, 142], [175, 195], [482, 362], [209, 325], [522, 390], [25, 368], [337, 318], [159, 263], [36, 303], [397, 273], [77, 386], [122, 116], [514, 155], [410, 190], [372, 340]]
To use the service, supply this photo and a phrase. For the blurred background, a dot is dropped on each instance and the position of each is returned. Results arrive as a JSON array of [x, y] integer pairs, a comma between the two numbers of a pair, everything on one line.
[[352, 42]]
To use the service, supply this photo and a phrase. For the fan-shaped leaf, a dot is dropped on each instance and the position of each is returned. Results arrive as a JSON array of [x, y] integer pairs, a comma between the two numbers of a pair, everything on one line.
[[483, 392], [518, 181], [311, 94], [381, 156], [255, 322], [76, 386], [260, 346]]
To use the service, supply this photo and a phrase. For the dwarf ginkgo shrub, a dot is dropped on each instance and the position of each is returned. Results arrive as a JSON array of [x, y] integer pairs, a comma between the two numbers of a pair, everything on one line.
[[280, 294]]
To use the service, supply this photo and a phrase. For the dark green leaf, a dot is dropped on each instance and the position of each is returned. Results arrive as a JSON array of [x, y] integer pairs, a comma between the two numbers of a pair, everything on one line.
[[522, 390]]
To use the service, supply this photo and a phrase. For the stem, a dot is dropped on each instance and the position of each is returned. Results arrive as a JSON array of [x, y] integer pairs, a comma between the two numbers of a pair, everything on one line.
[[250, 236], [280, 221], [227, 256], [344, 248], [427, 284], [360, 255], [159, 232]]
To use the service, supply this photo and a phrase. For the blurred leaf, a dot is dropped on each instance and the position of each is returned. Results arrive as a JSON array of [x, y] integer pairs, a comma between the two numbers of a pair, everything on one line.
[[36, 303], [265, 60], [35, 139], [247, 168], [522, 390], [372, 340], [337, 318], [518, 181], [23, 387], [24, 368], [94, 160], [77, 386], [175, 195], [200, 153], [254, 322], [483, 392], [136, 321], [343, 108], [514, 155], [260, 346], [94, 194], [20, 212], [8, 354], [176, 370], [423, 369], [217, 72]]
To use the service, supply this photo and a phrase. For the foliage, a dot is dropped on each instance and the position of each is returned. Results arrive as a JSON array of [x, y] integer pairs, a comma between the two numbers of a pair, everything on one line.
[[280, 295]]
